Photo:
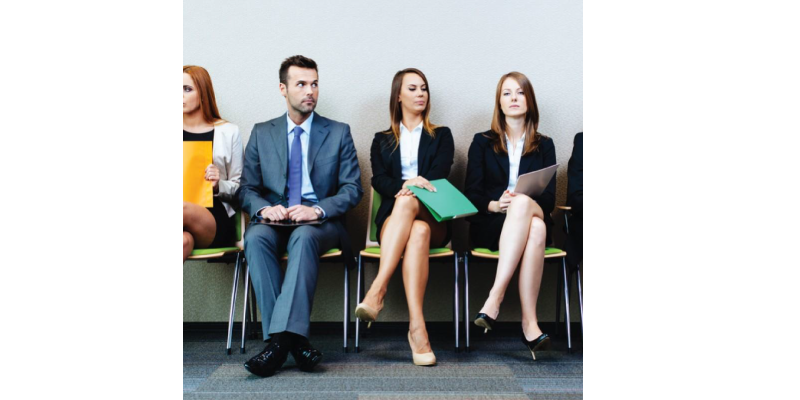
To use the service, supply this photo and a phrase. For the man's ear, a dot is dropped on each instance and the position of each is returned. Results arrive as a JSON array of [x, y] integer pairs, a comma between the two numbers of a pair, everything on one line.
[[282, 87]]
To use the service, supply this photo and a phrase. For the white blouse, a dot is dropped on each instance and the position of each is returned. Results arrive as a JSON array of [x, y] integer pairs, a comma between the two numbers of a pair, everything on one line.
[[514, 155], [409, 150]]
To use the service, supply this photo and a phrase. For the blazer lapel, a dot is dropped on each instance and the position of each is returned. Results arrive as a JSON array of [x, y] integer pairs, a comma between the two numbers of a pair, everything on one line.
[[424, 142], [280, 142], [319, 131], [502, 161], [397, 167], [525, 163]]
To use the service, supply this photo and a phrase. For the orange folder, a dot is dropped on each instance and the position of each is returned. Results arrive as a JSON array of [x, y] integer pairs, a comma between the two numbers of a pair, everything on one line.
[[197, 190]]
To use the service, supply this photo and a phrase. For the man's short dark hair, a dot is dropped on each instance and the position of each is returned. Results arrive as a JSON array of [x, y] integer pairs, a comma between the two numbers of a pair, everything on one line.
[[297, 61]]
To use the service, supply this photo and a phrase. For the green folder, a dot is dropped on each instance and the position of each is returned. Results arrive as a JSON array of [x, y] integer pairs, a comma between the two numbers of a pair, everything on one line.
[[446, 202]]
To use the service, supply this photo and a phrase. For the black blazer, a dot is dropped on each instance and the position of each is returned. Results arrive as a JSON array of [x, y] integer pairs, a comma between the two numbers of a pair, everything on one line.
[[575, 176], [434, 159], [487, 176]]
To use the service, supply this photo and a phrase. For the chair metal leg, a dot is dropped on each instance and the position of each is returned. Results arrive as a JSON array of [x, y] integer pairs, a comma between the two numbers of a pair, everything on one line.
[[246, 298], [346, 304], [566, 302], [253, 312], [558, 305], [359, 282], [233, 301], [558, 285], [456, 310], [580, 294], [466, 300]]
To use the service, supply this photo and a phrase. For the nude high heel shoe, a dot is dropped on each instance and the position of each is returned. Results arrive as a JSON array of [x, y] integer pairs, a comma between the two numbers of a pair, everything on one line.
[[421, 358], [366, 314]]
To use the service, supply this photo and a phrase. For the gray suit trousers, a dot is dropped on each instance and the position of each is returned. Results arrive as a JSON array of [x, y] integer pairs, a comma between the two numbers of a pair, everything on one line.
[[285, 300]]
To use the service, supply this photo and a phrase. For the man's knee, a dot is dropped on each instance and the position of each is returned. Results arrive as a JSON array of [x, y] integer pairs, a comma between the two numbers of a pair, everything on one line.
[[305, 236], [260, 236]]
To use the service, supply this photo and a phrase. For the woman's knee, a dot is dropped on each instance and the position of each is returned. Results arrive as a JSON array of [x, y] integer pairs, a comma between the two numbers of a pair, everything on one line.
[[420, 231], [407, 203], [538, 232], [188, 240], [521, 203]]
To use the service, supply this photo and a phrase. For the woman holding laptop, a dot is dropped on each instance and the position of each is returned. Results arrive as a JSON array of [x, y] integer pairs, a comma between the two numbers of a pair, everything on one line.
[[512, 222]]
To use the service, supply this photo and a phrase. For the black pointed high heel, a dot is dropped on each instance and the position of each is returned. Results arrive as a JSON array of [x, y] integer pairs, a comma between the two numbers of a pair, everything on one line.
[[484, 321], [540, 343]]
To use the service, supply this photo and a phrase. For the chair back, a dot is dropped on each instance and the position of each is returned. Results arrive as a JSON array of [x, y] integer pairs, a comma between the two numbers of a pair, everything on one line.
[[240, 217]]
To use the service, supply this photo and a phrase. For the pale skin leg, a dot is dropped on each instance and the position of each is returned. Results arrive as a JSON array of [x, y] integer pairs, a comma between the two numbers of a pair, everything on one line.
[[514, 240], [408, 231], [530, 277], [199, 228]]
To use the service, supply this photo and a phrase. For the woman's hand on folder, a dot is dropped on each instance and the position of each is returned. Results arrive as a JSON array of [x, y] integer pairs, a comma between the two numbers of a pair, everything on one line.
[[405, 192], [419, 182]]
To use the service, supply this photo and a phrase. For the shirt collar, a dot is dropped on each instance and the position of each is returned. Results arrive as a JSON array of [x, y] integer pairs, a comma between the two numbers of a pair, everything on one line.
[[404, 129], [521, 138], [306, 125]]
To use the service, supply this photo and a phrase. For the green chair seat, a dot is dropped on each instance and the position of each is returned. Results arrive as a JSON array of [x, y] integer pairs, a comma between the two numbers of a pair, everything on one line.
[[482, 250], [205, 252], [377, 250], [334, 250]]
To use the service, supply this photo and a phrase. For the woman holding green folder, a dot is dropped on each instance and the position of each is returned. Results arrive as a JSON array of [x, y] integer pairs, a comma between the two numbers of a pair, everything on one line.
[[512, 222], [412, 152]]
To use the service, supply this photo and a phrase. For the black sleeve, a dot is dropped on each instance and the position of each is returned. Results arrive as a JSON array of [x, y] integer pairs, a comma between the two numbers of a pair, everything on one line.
[[382, 182], [547, 200], [474, 184], [440, 168], [575, 175]]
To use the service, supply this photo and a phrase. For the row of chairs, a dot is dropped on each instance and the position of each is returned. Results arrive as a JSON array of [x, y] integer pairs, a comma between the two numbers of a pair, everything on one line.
[[372, 253]]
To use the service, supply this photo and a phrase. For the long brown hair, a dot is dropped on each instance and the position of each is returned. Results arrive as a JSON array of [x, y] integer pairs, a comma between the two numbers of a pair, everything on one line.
[[202, 83], [497, 134], [396, 110]]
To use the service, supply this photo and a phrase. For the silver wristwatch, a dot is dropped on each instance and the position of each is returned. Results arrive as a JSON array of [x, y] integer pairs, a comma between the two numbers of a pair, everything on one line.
[[318, 211]]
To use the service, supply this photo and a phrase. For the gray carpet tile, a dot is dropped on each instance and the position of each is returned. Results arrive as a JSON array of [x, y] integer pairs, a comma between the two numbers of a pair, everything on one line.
[[498, 367], [548, 384], [441, 396], [555, 396], [229, 378], [270, 396]]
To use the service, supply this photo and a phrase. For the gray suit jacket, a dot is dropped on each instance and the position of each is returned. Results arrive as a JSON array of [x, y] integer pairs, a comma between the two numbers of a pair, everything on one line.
[[332, 167]]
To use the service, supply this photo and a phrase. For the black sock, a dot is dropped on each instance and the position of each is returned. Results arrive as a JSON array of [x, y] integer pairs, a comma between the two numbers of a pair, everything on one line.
[[283, 339], [298, 339]]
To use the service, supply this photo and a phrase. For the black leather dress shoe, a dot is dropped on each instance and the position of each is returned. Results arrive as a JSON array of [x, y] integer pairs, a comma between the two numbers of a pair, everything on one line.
[[268, 361], [305, 356]]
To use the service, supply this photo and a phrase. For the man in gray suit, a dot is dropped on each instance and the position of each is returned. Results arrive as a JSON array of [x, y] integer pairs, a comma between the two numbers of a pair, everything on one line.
[[298, 167]]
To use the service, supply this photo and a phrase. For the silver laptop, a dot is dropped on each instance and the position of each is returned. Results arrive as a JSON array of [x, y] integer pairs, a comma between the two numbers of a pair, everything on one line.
[[534, 183]]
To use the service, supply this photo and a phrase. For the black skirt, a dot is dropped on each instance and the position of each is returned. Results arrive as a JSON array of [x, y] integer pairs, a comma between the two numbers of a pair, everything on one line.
[[486, 233], [225, 235]]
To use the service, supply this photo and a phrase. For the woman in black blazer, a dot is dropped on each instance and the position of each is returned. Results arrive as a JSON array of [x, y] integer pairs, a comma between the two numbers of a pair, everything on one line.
[[496, 159], [412, 152]]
